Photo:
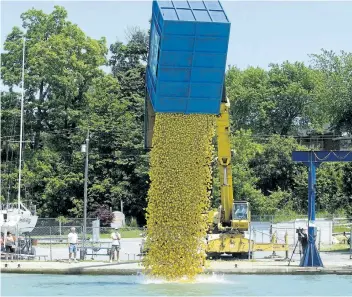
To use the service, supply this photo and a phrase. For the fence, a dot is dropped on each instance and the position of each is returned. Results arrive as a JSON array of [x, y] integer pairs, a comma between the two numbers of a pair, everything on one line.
[[50, 242], [49, 237], [288, 217], [255, 218]]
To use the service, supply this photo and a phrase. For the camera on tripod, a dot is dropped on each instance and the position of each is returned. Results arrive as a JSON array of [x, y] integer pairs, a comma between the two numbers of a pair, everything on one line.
[[301, 243], [299, 232]]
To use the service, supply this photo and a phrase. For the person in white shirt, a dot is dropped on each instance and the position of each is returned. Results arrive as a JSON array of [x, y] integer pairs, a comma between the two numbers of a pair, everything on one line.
[[115, 245], [72, 240]]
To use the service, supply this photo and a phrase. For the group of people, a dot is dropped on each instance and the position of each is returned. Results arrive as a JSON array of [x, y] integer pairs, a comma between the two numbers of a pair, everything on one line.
[[72, 241]]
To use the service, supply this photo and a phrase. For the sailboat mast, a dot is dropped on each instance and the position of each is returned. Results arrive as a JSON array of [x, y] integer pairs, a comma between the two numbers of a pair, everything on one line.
[[0, 157], [21, 130]]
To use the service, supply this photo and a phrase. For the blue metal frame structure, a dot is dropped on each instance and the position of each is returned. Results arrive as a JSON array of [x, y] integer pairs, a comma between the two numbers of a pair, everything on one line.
[[313, 159], [188, 48]]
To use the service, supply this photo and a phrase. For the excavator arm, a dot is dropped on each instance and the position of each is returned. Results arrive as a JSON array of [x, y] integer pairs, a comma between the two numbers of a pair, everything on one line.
[[234, 215], [224, 160]]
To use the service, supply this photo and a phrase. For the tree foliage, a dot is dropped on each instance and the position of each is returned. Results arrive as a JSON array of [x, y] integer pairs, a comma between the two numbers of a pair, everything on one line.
[[67, 94], [104, 214], [336, 95]]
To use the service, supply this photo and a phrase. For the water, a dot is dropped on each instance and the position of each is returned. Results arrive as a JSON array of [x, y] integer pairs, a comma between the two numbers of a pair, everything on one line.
[[206, 285]]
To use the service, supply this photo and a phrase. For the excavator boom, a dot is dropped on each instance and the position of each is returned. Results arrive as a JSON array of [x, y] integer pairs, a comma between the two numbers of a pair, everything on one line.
[[224, 160], [235, 215]]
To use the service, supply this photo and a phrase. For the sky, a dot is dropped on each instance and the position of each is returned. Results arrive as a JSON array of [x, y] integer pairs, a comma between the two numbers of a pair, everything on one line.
[[262, 32]]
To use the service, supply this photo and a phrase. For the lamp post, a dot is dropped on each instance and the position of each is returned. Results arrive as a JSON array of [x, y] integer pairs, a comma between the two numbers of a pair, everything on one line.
[[121, 206], [85, 149]]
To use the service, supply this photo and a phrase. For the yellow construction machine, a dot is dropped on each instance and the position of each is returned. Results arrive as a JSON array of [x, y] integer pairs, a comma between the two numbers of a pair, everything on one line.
[[231, 222]]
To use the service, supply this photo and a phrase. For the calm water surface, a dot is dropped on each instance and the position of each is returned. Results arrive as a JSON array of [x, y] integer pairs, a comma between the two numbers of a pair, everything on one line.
[[218, 285]]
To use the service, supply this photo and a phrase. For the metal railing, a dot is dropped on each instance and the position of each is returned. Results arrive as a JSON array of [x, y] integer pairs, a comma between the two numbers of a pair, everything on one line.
[[50, 240]]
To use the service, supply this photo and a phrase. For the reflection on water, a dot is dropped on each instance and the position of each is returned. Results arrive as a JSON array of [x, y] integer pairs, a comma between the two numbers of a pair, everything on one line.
[[200, 279], [204, 285]]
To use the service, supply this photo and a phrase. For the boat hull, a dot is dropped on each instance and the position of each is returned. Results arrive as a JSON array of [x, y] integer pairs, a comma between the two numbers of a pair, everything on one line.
[[17, 222]]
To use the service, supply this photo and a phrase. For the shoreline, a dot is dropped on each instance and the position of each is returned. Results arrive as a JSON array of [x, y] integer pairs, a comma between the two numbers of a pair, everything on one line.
[[102, 268]]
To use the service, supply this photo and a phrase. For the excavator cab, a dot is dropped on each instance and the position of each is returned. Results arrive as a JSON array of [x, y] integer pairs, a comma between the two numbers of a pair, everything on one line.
[[241, 216]]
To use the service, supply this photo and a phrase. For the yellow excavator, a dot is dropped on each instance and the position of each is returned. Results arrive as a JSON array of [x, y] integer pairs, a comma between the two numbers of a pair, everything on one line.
[[230, 223]]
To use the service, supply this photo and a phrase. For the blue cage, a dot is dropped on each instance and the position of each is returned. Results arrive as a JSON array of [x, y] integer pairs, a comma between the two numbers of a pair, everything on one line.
[[187, 56]]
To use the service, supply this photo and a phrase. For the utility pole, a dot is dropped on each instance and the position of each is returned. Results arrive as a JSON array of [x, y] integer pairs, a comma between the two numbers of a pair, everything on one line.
[[123, 220], [86, 150]]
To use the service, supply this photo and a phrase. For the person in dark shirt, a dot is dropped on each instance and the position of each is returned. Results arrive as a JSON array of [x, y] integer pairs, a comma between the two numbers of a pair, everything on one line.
[[10, 245], [304, 240]]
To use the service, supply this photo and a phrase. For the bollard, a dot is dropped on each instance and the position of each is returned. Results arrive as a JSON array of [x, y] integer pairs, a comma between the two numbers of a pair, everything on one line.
[[286, 242], [273, 238], [273, 241], [51, 251], [254, 242], [249, 243], [351, 243], [82, 253]]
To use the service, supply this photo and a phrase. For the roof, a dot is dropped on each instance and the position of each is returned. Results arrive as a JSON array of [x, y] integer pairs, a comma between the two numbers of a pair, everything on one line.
[[199, 11]]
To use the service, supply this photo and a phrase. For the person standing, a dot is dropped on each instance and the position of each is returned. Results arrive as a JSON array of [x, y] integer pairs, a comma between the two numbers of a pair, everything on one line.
[[304, 240], [115, 245], [9, 245], [72, 240]]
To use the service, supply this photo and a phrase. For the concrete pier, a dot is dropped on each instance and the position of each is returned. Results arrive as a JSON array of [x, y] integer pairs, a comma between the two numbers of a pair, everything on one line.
[[335, 263]]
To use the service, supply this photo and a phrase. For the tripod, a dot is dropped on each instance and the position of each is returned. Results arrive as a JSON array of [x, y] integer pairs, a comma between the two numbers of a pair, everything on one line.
[[300, 252]]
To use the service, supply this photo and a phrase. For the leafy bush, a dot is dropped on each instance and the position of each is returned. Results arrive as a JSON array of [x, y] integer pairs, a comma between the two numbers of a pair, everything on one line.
[[105, 215]]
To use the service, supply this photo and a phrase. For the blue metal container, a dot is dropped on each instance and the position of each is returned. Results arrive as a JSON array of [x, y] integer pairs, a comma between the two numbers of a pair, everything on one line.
[[187, 56]]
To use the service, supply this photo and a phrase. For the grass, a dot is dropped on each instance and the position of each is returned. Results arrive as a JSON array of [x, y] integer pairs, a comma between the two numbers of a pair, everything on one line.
[[337, 229], [54, 245], [133, 233], [124, 234], [81, 261], [335, 248], [288, 215]]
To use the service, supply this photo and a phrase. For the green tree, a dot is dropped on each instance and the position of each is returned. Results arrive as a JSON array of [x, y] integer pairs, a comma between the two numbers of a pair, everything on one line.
[[281, 101], [128, 65], [61, 61], [10, 150], [292, 98], [330, 196], [128, 62], [118, 161], [347, 188], [274, 166], [248, 92], [60, 65], [335, 96], [244, 179]]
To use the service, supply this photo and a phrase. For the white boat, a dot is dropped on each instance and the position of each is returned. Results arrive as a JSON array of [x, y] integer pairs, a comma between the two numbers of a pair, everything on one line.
[[17, 220]]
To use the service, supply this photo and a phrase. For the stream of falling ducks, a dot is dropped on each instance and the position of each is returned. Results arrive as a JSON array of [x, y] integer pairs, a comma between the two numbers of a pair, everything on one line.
[[178, 197]]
